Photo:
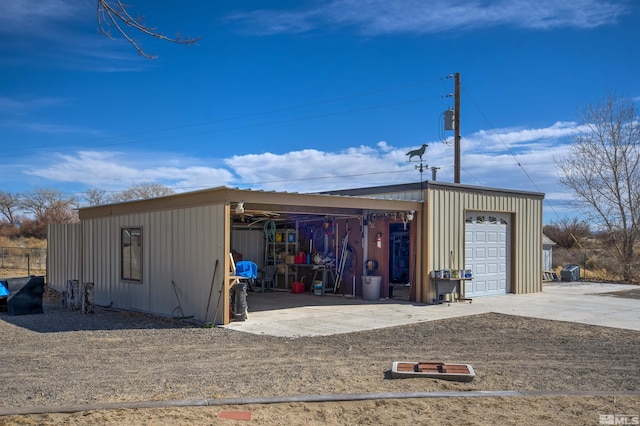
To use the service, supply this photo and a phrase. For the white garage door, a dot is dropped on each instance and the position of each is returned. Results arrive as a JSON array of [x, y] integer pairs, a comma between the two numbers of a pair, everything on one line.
[[487, 250]]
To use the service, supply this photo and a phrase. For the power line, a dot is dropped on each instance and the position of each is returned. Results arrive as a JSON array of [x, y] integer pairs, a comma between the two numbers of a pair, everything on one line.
[[260, 183], [245, 116], [507, 148], [501, 140], [332, 177]]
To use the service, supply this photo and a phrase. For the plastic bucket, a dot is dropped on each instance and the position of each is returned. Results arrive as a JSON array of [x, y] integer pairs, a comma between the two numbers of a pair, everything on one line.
[[371, 287], [317, 288]]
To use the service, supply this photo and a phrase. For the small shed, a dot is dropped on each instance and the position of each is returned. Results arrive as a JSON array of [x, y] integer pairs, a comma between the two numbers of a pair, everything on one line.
[[547, 253]]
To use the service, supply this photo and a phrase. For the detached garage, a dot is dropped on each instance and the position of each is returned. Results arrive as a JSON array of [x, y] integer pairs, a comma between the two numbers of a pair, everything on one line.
[[158, 254], [496, 234]]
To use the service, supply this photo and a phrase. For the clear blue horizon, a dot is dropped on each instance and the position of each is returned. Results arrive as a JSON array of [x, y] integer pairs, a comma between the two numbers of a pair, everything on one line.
[[306, 96]]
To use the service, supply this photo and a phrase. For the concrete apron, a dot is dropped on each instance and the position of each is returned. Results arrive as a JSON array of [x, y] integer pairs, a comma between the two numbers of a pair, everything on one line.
[[296, 315]]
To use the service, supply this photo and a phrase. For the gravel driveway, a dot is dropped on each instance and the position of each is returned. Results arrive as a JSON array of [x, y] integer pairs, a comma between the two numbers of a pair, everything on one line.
[[63, 357]]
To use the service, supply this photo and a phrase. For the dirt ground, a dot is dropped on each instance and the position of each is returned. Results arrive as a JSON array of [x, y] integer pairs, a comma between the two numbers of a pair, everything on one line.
[[63, 358]]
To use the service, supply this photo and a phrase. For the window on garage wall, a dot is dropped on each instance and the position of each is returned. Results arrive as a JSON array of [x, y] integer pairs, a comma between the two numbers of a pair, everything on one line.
[[131, 254]]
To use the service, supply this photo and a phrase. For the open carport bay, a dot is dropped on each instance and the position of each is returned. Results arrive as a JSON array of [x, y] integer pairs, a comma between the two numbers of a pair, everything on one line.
[[294, 315]]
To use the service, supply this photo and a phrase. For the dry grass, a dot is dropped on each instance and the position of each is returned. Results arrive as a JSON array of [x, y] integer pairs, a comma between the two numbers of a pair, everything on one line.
[[595, 259], [22, 257]]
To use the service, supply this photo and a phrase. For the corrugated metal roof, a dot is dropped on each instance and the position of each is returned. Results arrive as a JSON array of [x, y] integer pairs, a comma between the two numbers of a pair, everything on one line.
[[548, 241], [430, 184], [259, 199]]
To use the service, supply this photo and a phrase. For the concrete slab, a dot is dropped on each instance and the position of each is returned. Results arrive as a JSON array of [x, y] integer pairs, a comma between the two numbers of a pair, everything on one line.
[[296, 315]]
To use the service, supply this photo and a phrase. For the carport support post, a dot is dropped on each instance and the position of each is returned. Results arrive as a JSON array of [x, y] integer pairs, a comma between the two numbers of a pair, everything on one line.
[[418, 254], [365, 245], [226, 281]]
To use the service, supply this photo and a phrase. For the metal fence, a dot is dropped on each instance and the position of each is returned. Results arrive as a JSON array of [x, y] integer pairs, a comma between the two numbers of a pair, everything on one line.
[[27, 260]]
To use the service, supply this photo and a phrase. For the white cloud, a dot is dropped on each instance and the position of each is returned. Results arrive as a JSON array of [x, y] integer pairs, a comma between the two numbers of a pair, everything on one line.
[[42, 31], [23, 17], [51, 128], [19, 105], [531, 169], [117, 171], [313, 170], [374, 17], [503, 139]]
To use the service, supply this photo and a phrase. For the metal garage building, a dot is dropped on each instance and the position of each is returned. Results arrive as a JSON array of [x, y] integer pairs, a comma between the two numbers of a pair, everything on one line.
[[496, 233], [181, 238]]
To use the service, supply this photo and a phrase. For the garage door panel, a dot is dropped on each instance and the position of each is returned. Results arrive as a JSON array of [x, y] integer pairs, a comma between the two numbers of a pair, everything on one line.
[[480, 253], [486, 253], [477, 286], [503, 285]]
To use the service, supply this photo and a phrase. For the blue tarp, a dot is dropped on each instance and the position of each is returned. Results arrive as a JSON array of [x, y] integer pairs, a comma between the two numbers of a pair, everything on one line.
[[4, 291]]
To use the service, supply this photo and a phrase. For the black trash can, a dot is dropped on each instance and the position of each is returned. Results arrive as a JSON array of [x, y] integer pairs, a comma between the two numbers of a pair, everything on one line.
[[570, 273], [239, 301], [25, 295]]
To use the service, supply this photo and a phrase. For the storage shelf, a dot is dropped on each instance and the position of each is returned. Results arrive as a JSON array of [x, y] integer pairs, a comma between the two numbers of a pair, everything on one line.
[[288, 244]]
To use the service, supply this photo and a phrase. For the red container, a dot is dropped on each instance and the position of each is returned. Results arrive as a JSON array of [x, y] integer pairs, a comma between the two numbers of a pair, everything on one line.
[[297, 287]]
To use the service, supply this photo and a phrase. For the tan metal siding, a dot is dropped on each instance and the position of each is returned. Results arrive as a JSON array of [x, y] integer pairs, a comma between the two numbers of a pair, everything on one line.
[[63, 254], [198, 235], [250, 243], [180, 245], [158, 239], [446, 209], [102, 260], [400, 195]]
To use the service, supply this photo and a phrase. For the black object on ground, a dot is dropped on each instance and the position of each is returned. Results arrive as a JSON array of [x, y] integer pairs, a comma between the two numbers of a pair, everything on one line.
[[25, 295]]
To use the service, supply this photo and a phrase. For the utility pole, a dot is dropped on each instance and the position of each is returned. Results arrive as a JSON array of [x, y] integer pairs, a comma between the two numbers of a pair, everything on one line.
[[456, 129]]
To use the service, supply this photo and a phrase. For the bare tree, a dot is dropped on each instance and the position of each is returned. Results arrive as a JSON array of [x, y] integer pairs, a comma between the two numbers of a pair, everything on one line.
[[602, 169], [142, 191], [10, 206], [46, 206], [50, 206], [96, 197], [566, 232], [113, 14]]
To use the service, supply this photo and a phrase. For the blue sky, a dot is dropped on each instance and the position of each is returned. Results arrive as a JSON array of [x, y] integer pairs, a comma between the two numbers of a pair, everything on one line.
[[306, 95]]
